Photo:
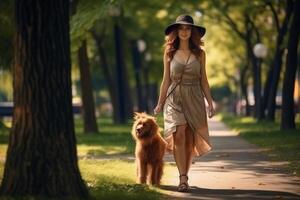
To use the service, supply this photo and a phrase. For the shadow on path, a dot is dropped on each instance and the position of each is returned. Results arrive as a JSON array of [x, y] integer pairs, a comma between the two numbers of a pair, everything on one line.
[[234, 169], [206, 194]]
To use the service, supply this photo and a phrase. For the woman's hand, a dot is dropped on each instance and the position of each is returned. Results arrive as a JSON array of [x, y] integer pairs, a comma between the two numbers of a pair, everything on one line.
[[211, 111], [157, 109]]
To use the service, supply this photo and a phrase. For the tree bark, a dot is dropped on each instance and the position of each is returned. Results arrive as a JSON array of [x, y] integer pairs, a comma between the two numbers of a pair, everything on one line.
[[41, 157], [288, 110], [243, 84], [255, 74], [123, 94], [275, 68], [136, 57], [112, 88], [88, 103]]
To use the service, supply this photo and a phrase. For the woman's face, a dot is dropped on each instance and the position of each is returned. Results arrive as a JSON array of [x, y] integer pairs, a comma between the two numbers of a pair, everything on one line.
[[184, 32]]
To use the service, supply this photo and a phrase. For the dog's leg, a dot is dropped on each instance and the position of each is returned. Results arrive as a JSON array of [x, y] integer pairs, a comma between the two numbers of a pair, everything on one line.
[[159, 172], [156, 173], [152, 174], [142, 171]]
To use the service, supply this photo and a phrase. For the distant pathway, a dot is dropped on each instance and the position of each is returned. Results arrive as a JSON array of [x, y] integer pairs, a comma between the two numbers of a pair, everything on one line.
[[234, 169]]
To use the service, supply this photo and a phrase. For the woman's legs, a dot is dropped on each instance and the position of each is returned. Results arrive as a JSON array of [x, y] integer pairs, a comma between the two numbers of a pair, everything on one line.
[[183, 151], [189, 147], [179, 148]]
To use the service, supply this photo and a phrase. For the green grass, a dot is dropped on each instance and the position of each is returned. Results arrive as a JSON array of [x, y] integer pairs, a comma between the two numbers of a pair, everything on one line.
[[282, 145], [106, 179]]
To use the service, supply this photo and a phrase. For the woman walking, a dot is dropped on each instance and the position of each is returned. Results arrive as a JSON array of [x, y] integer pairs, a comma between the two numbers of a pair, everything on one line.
[[182, 93]]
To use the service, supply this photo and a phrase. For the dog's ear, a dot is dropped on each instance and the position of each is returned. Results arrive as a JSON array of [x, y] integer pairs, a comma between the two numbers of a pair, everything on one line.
[[154, 126], [152, 118], [136, 115]]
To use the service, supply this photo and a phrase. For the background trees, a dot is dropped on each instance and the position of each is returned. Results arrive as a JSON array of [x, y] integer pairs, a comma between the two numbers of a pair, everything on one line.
[[234, 28]]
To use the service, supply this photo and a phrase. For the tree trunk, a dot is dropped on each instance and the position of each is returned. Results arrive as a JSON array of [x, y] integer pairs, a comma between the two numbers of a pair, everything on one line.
[[275, 69], [147, 96], [277, 61], [243, 84], [41, 156], [112, 88], [88, 105], [136, 57], [256, 80], [123, 94], [272, 92], [255, 66], [288, 110], [119, 73]]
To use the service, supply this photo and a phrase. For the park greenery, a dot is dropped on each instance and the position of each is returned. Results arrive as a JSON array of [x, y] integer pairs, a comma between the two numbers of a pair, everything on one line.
[[105, 161], [233, 28], [115, 48]]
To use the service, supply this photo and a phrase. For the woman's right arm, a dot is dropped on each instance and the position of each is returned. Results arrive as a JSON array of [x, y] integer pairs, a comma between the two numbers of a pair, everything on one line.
[[164, 85]]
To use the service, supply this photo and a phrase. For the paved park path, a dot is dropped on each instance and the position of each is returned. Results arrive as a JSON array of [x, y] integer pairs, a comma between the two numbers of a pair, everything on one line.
[[234, 169]]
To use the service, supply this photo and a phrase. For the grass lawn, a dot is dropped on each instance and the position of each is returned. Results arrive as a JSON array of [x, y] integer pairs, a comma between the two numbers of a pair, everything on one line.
[[106, 179], [112, 139], [282, 145]]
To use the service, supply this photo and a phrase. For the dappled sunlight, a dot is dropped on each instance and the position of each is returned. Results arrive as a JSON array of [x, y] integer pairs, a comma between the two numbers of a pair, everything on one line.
[[3, 149], [7, 122], [99, 150], [114, 179], [248, 120]]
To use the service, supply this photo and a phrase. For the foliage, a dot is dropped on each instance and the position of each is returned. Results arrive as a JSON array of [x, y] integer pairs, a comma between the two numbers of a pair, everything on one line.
[[225, 49], [282, 145], [87, 12]]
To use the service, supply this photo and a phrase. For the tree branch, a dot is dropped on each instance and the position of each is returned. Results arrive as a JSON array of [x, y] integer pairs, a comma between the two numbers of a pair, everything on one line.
[[275, 16], [248, 19], [228, 20]]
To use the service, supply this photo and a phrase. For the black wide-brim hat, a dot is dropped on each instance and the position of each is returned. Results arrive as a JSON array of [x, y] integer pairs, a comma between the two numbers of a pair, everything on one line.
[[187, 20]]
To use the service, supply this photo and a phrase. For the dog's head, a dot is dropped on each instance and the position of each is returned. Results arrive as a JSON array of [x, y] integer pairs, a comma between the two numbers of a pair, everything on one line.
[[144, 127]]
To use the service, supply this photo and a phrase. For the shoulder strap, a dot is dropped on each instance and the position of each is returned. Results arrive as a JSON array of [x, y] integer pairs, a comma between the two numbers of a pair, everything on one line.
[[187, 61], [179, 81]]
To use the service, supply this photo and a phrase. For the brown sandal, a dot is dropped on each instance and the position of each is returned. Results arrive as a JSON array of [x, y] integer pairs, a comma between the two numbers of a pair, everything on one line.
[[184, 186]]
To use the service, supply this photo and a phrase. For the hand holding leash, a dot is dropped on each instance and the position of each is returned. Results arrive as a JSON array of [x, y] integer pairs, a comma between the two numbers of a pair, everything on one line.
[[157, 109]]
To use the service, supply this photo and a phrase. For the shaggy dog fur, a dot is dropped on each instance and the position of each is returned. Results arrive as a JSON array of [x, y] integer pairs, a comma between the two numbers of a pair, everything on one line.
[[149, 150]]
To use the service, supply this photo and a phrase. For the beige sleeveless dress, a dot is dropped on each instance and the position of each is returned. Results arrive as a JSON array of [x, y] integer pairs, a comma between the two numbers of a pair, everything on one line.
[[186, 105]]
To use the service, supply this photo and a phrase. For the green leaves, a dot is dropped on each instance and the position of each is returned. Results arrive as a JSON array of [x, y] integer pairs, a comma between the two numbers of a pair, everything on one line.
[[83, 21]]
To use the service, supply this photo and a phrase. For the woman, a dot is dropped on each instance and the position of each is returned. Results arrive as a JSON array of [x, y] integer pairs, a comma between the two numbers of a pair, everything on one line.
[[182, 93]]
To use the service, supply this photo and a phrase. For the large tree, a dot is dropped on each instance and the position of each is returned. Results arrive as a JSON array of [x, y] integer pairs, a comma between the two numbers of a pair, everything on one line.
[[41, 156]]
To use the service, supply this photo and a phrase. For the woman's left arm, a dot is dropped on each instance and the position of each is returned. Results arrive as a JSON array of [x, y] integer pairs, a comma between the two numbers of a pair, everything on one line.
[[205, 84]]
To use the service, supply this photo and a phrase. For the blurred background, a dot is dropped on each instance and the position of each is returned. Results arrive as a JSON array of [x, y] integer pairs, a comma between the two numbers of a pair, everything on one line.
[[117, 50]]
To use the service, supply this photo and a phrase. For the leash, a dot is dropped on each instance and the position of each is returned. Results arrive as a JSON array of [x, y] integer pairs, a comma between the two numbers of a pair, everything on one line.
[[163, 102]]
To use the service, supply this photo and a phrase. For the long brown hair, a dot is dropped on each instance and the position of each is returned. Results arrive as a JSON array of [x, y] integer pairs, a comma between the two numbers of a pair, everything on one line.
[[172, 43]]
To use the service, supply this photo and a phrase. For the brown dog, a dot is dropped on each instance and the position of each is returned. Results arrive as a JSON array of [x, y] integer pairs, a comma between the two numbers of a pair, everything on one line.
[[149, 150]]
